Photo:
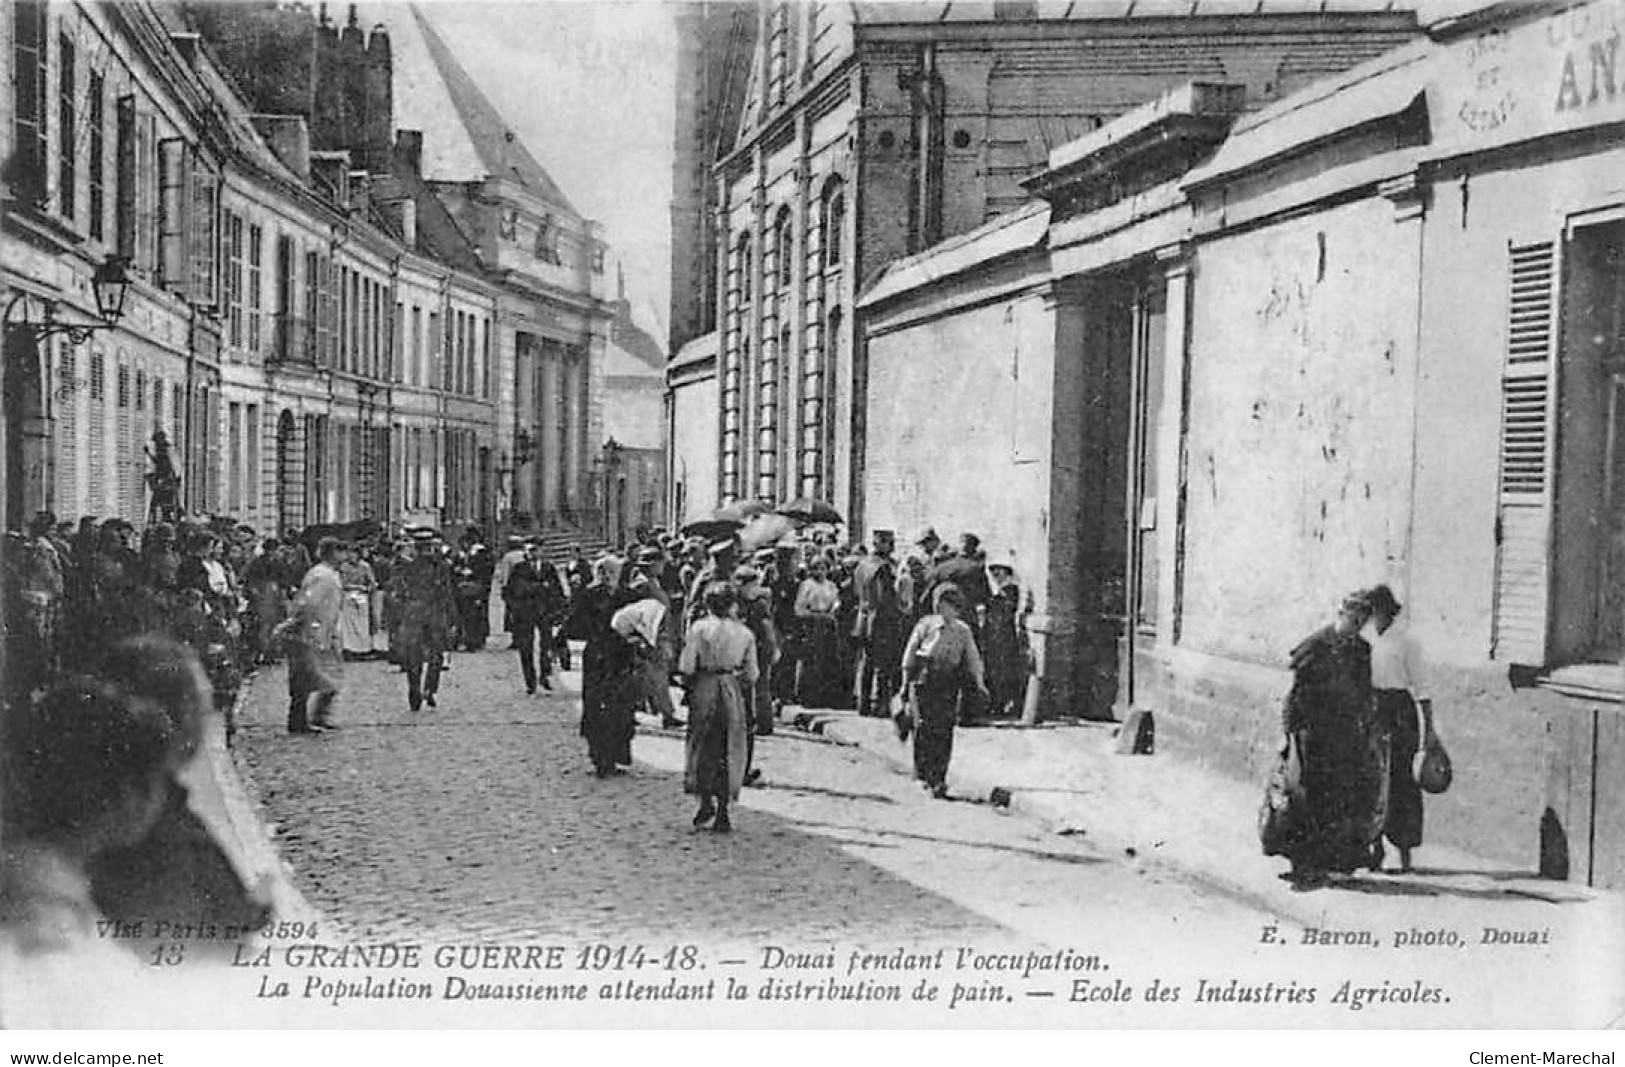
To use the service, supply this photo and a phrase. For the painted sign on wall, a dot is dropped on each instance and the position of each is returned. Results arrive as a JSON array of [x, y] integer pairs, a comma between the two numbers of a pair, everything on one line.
[[1555, 74]]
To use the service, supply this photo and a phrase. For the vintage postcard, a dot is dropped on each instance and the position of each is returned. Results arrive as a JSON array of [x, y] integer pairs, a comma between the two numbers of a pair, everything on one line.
[[1098, 514]]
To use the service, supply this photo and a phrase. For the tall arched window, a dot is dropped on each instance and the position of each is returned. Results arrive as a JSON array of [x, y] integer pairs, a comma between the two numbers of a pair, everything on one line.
[[784, 247], [832, 221]]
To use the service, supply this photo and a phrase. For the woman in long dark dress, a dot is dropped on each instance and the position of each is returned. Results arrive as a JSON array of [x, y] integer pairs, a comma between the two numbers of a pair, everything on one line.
[[607, 695], [941, 663], [1332, 714], [1004, 644], [719, 666], [818, 677]]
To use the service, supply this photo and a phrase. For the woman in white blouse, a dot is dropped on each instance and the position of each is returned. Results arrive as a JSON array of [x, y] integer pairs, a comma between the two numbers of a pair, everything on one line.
[[818, 680], [1396, 680]]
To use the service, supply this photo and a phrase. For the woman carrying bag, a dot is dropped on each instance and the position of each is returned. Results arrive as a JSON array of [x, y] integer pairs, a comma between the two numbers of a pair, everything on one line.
[[1395, 678], [940, 665]]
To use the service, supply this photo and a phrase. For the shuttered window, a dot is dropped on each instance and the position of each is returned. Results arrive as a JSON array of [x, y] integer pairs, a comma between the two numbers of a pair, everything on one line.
[[98, 156], [148, 192], [252, 474], [256, 250], [67, 131], [30, 56], [234, 279], [96, 502], [124, 163], [203, 245], [1523, 522], [67, 435], [174, 173]]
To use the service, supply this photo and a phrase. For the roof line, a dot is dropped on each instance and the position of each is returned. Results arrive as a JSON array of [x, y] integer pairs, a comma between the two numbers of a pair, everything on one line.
[[500, 150]]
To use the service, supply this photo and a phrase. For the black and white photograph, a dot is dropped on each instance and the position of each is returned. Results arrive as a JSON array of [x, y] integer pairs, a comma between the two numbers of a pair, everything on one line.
[[813, 514]]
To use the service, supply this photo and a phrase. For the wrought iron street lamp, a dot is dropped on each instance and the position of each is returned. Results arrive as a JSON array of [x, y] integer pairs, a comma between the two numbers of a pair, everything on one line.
[[110, 285]]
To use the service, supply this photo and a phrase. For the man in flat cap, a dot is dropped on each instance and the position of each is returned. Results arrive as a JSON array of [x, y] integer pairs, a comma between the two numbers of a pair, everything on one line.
[[756, 612], [535, 601], [877, 627], [926, 542], [723, 557], [422, 608]]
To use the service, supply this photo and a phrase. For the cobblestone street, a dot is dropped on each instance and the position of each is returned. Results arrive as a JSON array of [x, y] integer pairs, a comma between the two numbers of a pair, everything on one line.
[[482, 818], [480, 823]]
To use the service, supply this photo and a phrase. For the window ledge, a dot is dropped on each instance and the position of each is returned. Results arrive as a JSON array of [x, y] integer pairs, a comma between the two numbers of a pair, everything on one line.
[[1588, 681]]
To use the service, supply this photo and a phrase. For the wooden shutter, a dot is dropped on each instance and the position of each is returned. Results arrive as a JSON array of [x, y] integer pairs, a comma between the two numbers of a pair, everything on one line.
[[1523, 522], [202, 238], [96, 502], [174, 197], [124, 164], [67, 432], [30, 54], [148, 183]]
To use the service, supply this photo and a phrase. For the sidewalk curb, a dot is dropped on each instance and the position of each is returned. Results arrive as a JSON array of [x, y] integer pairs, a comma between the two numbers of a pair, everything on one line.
[[1260, 889], [1051, 817]]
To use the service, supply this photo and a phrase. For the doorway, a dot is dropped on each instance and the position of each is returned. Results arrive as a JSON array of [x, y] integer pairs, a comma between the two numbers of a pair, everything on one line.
[[290, 489], [1588, 599], [1114, 321]]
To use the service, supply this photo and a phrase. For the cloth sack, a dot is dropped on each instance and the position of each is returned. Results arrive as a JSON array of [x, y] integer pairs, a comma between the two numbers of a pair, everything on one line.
[[1431, 764], [1281, 816], [904, 717]]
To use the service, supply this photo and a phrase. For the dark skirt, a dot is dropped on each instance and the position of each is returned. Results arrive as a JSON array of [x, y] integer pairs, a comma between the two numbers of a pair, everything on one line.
[[1397, 712], [1345, 782], [607, 718], [1006, 663], [936, 710], [716, 752], [818, 677]]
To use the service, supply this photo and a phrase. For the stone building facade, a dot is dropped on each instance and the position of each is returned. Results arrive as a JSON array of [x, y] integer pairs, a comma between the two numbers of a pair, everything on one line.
[[871, 132], [1246, 363], [307, 321]]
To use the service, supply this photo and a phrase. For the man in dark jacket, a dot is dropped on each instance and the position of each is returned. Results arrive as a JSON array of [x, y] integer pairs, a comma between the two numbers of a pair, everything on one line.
[[534, 602], [422, 607], [877, 627]]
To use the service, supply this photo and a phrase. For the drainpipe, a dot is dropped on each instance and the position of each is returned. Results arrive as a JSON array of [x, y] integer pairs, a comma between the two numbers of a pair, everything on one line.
[[188, 423], [928, 94]]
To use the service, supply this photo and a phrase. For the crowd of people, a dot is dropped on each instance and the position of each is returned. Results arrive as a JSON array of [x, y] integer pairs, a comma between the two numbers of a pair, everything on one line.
[[934, 639], [118, 643]]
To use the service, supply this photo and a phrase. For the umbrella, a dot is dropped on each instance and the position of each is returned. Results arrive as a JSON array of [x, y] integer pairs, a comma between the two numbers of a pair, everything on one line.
[[724, 521], [710, 526], [765, 529], [806, 509], [742, 510]]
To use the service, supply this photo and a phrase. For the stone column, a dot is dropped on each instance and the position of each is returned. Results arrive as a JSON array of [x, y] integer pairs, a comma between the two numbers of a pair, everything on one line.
[[1056, 627], [524, 478], [574, 405], [548, 410]]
